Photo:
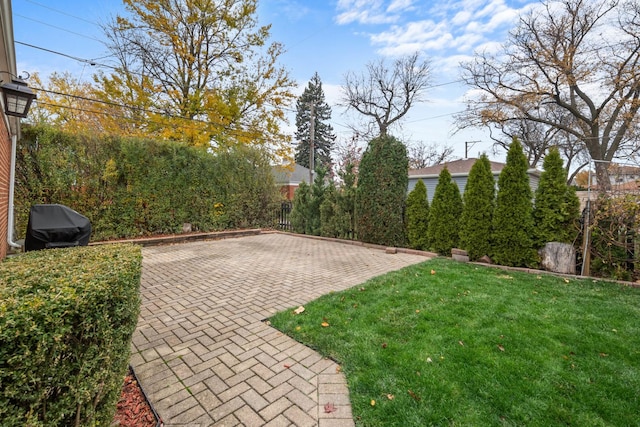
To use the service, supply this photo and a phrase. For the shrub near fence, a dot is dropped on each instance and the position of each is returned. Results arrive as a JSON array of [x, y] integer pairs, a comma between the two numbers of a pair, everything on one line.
[[66, 321]]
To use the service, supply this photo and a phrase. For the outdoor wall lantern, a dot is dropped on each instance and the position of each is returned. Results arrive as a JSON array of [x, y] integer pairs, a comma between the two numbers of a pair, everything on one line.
[[17, 97]]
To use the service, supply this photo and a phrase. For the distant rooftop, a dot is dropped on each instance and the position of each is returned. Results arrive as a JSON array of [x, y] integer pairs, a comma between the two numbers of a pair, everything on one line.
[[462, 166], [284, 176]]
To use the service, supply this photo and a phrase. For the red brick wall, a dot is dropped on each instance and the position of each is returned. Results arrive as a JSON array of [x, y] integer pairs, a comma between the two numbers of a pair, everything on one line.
[[5, 166]]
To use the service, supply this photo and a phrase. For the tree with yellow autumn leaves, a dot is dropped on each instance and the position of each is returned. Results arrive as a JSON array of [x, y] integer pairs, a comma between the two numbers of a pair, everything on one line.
[[201, 72]]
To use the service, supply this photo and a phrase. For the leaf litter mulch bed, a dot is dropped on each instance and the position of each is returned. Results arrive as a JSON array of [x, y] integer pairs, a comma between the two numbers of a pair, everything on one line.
[[133, 407]]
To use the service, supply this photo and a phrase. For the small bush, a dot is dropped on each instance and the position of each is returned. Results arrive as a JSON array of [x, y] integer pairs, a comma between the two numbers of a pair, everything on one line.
[[66, 321]]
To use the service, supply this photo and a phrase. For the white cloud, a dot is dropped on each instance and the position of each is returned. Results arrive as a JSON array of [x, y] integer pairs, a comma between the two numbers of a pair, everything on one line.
[[400, 5], [460, 26], [363, 12]]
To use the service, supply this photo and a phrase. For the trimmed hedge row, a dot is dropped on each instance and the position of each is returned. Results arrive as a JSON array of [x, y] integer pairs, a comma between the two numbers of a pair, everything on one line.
[[66, 321], [132, 187]]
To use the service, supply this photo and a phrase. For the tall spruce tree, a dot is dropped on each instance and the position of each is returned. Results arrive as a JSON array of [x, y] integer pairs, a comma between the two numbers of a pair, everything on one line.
[[477, 214], [556, 208], [323, 132], [381, 192], [418, 216], [512, 227], [444, 215]]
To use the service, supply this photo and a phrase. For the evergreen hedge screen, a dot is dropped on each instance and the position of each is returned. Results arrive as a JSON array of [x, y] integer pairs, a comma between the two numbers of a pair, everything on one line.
[[381, 193], [132, 187]]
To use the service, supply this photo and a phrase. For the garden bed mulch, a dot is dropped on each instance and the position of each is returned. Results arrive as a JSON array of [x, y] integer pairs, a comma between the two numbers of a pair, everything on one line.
[[133, 408]]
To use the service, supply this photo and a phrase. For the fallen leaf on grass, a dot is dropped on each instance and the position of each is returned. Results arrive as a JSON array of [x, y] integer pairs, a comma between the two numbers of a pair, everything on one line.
[[324, 324], [414, 396], [298, 310], [373, 402], [461, 343], [566, 280], [501, 348], [329, 408], [429, 360], [384, 345], [338, 369], [390, 396], [433, 272], [603, 354]]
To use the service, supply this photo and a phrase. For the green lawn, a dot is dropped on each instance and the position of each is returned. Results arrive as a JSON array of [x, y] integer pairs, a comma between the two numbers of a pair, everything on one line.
[[475, 346]]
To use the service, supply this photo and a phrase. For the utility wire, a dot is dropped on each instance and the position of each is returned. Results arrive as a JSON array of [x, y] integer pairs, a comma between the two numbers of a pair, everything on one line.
[[57, 28]]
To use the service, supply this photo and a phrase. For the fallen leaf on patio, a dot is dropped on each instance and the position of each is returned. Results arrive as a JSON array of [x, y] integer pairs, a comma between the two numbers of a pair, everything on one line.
[[414, 396], [299, 310], [433, 272], [501, 348], [329, 408], [287, 366], [390, 396], [373, 402], [324, 324], [338, 369]]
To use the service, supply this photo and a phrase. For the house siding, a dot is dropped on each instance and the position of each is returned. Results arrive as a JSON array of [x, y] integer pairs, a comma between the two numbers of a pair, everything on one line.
[[5, 165], [461, 180]]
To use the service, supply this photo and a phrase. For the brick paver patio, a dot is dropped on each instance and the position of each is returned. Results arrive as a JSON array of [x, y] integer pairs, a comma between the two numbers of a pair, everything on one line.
[[202, 351]]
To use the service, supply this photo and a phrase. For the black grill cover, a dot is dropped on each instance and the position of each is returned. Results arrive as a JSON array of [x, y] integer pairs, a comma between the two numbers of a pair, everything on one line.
[[55, 226]]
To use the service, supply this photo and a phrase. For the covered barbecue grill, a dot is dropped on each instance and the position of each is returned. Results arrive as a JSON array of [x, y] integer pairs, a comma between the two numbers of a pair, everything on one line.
[[56, 226]]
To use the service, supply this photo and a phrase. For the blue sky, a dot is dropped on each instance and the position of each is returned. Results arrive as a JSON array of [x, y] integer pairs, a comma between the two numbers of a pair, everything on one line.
[[330, 37]]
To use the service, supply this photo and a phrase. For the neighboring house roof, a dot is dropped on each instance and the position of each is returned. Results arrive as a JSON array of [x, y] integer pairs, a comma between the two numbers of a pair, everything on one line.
[[455, 167], [284, 176]]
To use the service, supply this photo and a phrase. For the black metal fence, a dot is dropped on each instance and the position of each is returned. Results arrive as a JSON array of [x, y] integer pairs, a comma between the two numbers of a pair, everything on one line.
[[283, 216]]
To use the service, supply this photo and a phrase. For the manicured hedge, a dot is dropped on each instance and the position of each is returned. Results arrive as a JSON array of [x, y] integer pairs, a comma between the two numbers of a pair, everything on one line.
[[133, 187], [66, 321]]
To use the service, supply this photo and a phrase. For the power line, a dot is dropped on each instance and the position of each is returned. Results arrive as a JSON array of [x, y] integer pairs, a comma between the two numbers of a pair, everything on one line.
[[61, 12], [57, 28]]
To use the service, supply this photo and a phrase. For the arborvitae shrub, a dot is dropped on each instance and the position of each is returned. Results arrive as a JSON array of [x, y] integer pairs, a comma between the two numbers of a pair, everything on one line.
[[418, 216], [444, 215], [300, 212], [556, 209], [381, 192], [512, 228], [477, 214]]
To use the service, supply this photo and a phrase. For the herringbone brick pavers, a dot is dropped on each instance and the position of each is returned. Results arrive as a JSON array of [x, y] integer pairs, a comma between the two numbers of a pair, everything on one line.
[[202, 351]]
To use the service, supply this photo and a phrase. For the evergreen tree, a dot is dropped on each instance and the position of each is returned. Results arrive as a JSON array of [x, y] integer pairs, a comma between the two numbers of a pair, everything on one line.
[[318, 190], [381, 192], [323, 132], [346, 198], [444, 215], [300, 211], [557, 206], [512, 227], [477, 214], [329, 213], [418, 216]]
